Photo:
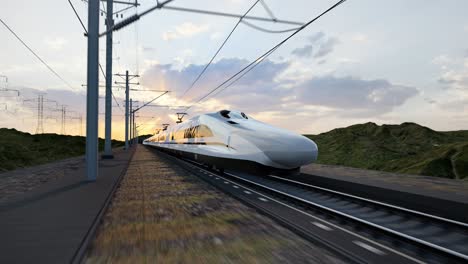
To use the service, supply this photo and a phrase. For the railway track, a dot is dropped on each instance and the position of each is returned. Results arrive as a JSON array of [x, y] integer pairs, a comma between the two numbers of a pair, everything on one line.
[[386, 233]]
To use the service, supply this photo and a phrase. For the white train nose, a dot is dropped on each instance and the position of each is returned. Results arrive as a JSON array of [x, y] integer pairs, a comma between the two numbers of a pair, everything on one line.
[[293, 152], [287, 150]]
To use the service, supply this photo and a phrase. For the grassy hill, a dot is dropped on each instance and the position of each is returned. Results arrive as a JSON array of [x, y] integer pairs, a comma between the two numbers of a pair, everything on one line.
[[18, 149], [406, 148]]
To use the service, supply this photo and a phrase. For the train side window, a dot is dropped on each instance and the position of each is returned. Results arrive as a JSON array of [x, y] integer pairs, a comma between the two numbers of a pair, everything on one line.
[[225, 113], [188, 132], [179, 134], [204, 131]]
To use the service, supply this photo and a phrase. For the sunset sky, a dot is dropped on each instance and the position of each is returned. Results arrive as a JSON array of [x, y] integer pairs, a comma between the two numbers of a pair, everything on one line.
[[381, 61]]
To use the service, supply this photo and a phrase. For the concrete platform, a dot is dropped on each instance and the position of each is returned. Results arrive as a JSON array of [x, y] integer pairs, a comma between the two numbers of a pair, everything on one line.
[[50, 223], [443, 197]]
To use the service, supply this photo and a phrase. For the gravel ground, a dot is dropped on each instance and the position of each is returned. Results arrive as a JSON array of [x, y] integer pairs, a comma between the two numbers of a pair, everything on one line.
[[17, 182], [161, 214]]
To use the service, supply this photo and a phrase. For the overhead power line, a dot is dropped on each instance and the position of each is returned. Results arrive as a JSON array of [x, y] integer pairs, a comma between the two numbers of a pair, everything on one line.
[[135, 17], [78, 16], [258, 60], [268, 30], [267, 9], [37, 56], [113, 96], [215, 13], [219, 49]]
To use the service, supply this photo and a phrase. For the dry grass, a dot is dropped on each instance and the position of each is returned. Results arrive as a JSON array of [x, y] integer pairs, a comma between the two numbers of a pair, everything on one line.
[[161, 214]]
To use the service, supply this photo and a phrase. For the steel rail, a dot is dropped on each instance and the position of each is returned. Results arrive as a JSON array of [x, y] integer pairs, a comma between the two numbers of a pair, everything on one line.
[[399, 235], [200, 166], [451, 221], [391, 231]]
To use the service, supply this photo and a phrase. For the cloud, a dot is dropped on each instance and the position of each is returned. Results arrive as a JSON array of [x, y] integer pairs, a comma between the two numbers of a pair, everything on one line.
[[456, 77], [447, 79], [360, 37], [216, 35], [320, 46], [430, 100], [184, 30], [264, 90], [55, 43], [305, 51], [456, 106], [316, 36], [326, 47], [371, 97], [22, 113], [178, 80], [441, 60]]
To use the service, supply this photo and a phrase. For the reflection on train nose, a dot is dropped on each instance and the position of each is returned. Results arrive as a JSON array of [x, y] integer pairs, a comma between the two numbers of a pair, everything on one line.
[[296, 152], [290, 151]]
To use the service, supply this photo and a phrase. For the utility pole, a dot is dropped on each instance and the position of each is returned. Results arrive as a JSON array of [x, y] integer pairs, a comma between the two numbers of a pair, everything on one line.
[[144, 105], [127, 95], [40, 114], [40, 100], [63, 111], [131, 122], [127, 83], [5, 88], [136, 133], [81, 125], [134, 130], [92, 93], [108, 117]]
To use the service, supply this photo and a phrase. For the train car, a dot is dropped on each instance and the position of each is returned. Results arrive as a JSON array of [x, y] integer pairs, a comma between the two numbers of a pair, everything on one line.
[[233, 140]]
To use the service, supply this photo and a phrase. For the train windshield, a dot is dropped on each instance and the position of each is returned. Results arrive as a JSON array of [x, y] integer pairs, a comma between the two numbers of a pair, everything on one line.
[[238, 115], [233, 114]]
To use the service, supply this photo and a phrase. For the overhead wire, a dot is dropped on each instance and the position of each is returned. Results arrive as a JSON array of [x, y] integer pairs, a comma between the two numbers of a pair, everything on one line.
[[219, 49], [103, 7], [267, 9], [37, 56], [78, 16], [268, 30], [216, 13], [261, 58], [137, 66], [102, 10], [112, 93], [244, 73], [100, 66]]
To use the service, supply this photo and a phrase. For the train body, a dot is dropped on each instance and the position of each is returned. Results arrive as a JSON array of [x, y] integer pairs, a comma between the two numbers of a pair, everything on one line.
[[232, 140]]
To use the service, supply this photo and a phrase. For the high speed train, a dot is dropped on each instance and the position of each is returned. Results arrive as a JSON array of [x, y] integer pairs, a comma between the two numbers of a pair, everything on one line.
[[233, 140]]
